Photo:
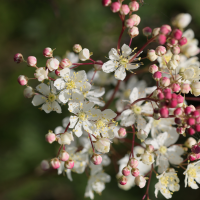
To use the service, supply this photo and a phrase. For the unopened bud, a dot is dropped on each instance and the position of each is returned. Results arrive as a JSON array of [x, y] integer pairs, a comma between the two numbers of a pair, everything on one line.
[[122, 132], [161, 39], [185, 88], [176, 50], [157, 75], [177, 34], [164, 112], [115, 7], [52, 64], [96, 159], [149, 148], [190, 142], [136, 19], [77, 48], [28, 92], [122, 180], [142, 135], [133, 32], [124, 10], [18, 58], [147, 31], [182, 41], [64, 156], [32, 61], [195, 149], [134, 6], [22, 80], [133, 163], [140, 181], [48, 52], [84, 54], [165, 29], [45, 165], [164, 81], [151, 55], [105, 3], [153, 68], [50, 137], [55, 163], [135, 172], [69, 164], [155, 32], [65, 63], [126, 171]]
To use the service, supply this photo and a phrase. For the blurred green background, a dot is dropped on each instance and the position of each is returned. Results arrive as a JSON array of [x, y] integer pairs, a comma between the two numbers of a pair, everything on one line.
[[27, 27]]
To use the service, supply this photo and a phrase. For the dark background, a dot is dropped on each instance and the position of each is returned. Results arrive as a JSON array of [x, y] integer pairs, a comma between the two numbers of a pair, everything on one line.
[[27, 27]]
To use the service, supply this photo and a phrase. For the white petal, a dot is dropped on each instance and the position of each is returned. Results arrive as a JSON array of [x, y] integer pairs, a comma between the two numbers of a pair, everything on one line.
[[64, 96], [141, 122], [80, 76], [65, 72], [74, 107], [147, 108], [174, 158], [109, 114], [134, 95], [83, 86], [120, 73], [98, 92], [69, 174], [59, 83], [132, 66], [176, 149], [128, 121], [109, 66], [126, 50], [113, 54], [163, 164], [77, 96], [152, 142], [78, 129], [38, 100], [43, 88], [47, 107], [172, 137], [56, 107], [73, 120]]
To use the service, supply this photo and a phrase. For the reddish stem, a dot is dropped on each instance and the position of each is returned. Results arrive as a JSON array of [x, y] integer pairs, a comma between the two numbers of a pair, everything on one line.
[[52, 79], [93, 76], [67, 127], [59, 150], [130, 42], [144, 99], [113, 95], [148, 42], [133, 141], [120, 36], [192, 98], [91, 142]]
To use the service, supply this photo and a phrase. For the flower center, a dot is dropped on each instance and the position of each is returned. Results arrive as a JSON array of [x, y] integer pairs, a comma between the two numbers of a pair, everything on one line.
[[123, 61], [166, 59], [188, 73], [100, 123], [136, 109], [163, 149], [70, 84], [164, 180], [156, 122], [51, 97], [192, 173], [82, 116], [127, 93]]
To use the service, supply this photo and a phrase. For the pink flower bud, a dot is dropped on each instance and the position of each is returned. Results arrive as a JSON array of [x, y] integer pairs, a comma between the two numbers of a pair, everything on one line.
[[126, 171], [28, 92], [149, 148], [115, 7], [193, 108], [122, 132], [190, 142], [134, 6], [32, 61], [188, 110], [50, 137], [198, 120], [190, 121], [192, 157], [164, 112], [178, 120], [177, 34], [178, 112], [174, 96], [182, 41], [96, 159], [64, 156], [69, 164], [160, 50], [197, 127], [133, 163], [161, 39], [168, 95], [124, 10], [153, 68], [173, 103], [167, 90], [65, 63], [147, 31], [155, 32], [122, 180], [157, 75], [180, 98], [136, 19], [195, 114], [44, 165], [185, 88], [165, 29], [164, 81], [47, 52], [129, 23], [175, 87], [18, 58], [135, 172], [52, 64], [106, 3], [133, 32], [57, 72], [175, 50], [160, 96], [195, 149], [180, 130], [151, 55], [55, 163], [77, 48], [190, 131], [22, 80], [173, 41]]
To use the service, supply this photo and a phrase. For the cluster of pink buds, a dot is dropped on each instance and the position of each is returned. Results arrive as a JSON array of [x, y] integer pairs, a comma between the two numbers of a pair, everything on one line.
[[187, 119]]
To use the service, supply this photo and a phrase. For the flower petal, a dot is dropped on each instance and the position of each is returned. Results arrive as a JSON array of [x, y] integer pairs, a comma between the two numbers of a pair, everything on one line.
[[38, 100], [120, 73], [43, 88], [126, 50], [109, 66]]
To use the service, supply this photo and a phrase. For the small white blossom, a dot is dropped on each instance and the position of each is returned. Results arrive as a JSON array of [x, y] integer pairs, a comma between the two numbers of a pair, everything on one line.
[[192, 175], [48, 98], [41, 73], [119, 63], [84, 54], [102, 145], [182, 20], [168, 183], [66, 138], [147, 158]]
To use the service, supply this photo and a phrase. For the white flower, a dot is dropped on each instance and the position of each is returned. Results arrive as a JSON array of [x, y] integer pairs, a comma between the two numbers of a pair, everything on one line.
[[119, 63], [140, 181], [71, 83], [164, 151], [48, 98], [168, 183], [195, 86], [163, 60], [72, 57], [52, 64], [191, 48], [134, 114], [102, 145], [141, 166], [41, 73], [66, 138], [182, 20], [147, 158], [84, 54], [84, 113], [192, 175], [92, 95]]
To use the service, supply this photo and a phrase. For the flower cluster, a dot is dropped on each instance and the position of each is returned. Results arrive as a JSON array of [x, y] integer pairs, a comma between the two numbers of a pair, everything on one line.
[[157, 115]]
